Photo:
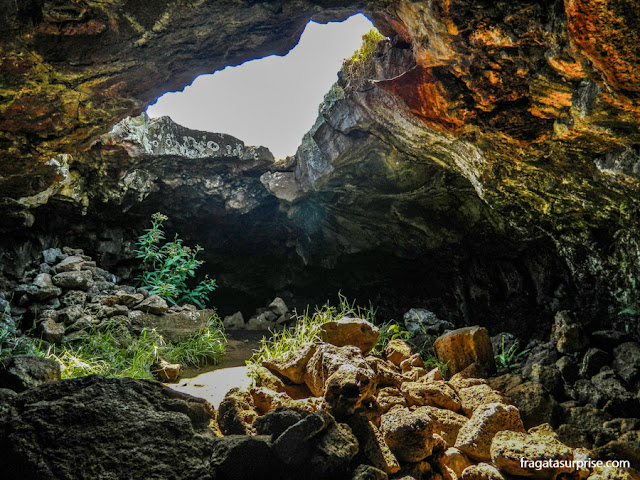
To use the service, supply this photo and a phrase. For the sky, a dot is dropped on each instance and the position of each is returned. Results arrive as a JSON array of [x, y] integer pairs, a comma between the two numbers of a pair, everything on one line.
[[272, 101]]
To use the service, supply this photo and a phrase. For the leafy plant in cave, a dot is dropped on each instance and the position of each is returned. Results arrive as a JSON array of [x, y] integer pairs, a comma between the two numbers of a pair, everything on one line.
[[359, 66], [170, 266], [509, 357]]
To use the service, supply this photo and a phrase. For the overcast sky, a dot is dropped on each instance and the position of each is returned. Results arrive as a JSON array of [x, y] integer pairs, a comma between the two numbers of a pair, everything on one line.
[[272, 101]]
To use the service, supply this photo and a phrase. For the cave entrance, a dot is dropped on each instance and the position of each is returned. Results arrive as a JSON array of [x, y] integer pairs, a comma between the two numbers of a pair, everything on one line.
[[271, 101]]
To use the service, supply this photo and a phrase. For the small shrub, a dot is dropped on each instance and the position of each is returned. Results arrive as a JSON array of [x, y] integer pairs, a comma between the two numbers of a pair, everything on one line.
[[359, 66], [508, 358], [170, 266]]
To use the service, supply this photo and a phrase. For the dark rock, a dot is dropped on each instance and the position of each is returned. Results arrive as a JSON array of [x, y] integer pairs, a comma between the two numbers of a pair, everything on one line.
[[540, 354], [568, 368], [419, 321], [592, 361], [51, 331], [367, 472], [244, 457], [293, 446], [568, 335], [153, 304], [174, 327], [21, 372], [535, 403], [619, 401], [69, 264], [626, 362], [549, 377], [69, 315], [74, 297], [74, 280], [275, 422], [608, 339], [333, 452], [53, 255], [237, 413], [584, 426], [626, 447], [278, 307], [77, 429]]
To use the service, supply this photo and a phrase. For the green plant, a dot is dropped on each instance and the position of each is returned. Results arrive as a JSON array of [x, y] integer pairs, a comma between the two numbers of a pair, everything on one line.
[[170, 266], [111, 350], [431, 361], [359, 65], [389, 330], [306, 329], [507, 358]]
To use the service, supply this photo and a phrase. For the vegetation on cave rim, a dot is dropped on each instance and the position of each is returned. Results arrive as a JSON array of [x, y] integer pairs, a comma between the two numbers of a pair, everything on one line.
[[170, 266], [360, 66], [112, 350]]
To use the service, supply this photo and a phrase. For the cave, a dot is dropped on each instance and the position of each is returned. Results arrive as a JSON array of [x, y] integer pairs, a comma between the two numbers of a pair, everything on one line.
[[482, 162]]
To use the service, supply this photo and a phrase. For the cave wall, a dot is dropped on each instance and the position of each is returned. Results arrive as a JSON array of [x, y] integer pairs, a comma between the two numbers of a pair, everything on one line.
[[483, 162]]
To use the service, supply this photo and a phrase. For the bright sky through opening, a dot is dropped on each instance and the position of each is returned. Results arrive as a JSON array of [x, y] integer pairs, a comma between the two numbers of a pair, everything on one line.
[[272, 101]]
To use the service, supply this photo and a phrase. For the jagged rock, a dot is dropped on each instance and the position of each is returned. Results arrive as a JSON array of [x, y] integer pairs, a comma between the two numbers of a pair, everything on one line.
[[334, 451], [389, 397], [475, 437], [69, 315], [568, 335], [165, 371], [164, 434], [70, 264], [535, 404], [568, 368], [626, 447], [437, 394], [122, 297], [432, 375], [21, 372], [592, 361], [447, 423], [278, 307], [237, 413], [420, 321], [516, 453], [409, 435], [351, 331], [626, 362], [174, 327], [294, 366], [463, 347], [414, 360], [293, 445], [482, 471], [275, 422], [234, 322], [279, 383], [265, 400], [475, 396], [51, 332], [74, 297], [398, 351], [617, 400], [348, 388], [549, 377], [373, 449], [387, 373], [153, 304], [52, 256], [455, 460], [74, 280], [367, 472]]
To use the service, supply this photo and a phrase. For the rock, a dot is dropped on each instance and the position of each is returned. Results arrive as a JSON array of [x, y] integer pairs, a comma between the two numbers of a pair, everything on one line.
[[373, 450], [294, 366], [234, 322], [275, 422], [74, 297], [584, 425], [293, 445], [367, 472], [237, 413], [242, 457], [58, 430], [165, 371], [568, 335], [333, 452], [351, 331], [389, 397], [626, 362], [409, 435], [21, 372], [279, 383], [535, 404], [69, 315], [437, 394], [475, 396], [122, 297], [592, 361], [259, 323], [475, 437], [460, 348], [51, 332], [398, 351], [153, 304], [447, 423], [70, 264], [414, 360], [455, 460], [278, 307], [568, 368], [387, 373], [327, 359], [482, 471], [74, 280], [420, 321], [518, 453], [265, 400], [608, 339], [43, 280], [626, 447], [348, 388], [432, 375], [173, 327], [618, 400], [53, 255], [549, 377]]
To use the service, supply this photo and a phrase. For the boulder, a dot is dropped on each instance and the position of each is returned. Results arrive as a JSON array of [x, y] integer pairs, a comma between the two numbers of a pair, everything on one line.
[[348, 388], [278, 307], [153, 304], [455, 460], [173, 327], [293, 445], [437, 394], [74, 280], [95, 427], [74, 297], [51, 331], [568, 335], [122, 297], [625, 447], [275, 422], [241, 457], [389, 397], [397, 351], [265, 400], [592, 361], [21, 372], [237, 413], [536, 405], [482, 471], [463, 347], [387, 373], [475, 437], [419, 321], [626, 362], [333, 453], [409, 435], [279, 383], [373, 450], [447, 423], [367, 472], [537, 456], [52, 256], [351, 331], [292, 367], [165, 371], [234, 322], [69, 264], [568, 368], [474, 396]]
